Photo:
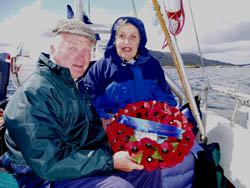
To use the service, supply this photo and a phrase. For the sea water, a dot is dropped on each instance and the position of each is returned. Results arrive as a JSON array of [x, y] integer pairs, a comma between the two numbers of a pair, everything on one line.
[[237, 78]]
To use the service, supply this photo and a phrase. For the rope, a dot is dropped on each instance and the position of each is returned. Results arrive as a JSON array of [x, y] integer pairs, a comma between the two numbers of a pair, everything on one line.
[[179, 28]]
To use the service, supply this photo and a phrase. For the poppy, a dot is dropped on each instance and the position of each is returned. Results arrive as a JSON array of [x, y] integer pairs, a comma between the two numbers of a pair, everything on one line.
[[166, 150], [179, 153], [155, 114], [188, 140], [143, 104], [148, 146], [111, 137], [168, 120], [129, 131], [132, 107], [122, 112], [133, 148], [149, 162], [141, 113], [147, 151], [182, 119], [118, 145], [188, 126], [152, 103], [176, 123], [118, 128], [175, 112], [165, 107]]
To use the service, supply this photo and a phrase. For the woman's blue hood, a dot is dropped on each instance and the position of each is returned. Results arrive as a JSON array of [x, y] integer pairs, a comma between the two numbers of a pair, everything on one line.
[[111, 50]]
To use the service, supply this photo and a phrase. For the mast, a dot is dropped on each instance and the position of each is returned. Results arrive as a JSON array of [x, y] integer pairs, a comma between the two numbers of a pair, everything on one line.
[[181, 71], [78, 9]]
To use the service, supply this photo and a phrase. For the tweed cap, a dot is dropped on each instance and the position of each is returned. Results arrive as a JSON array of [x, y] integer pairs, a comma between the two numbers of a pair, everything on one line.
[[75, 27]]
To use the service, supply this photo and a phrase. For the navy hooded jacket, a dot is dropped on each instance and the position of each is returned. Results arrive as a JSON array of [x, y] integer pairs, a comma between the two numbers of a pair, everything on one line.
[[113, 84]]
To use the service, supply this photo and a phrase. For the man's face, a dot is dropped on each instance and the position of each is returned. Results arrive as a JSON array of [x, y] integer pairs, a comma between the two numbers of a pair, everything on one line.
[[73, 52]]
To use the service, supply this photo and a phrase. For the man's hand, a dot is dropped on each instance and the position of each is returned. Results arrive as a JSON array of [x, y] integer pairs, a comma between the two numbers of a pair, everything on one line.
[[105, 122], [124, 162]]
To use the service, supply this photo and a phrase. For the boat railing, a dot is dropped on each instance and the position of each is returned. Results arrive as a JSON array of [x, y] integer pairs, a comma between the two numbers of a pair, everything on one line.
[[100, 28], [242, 101]]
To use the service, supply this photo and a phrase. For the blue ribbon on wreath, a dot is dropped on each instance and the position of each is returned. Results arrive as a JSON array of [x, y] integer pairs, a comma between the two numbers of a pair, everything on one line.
[[151, 126]]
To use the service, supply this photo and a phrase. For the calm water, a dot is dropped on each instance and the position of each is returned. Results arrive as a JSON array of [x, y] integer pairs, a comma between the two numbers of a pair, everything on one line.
[[237, 78]]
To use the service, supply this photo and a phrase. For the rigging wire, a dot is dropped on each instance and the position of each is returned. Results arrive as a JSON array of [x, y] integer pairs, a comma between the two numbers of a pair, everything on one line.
[[89, 8], [198, 43], [135, 13], [205, 77]]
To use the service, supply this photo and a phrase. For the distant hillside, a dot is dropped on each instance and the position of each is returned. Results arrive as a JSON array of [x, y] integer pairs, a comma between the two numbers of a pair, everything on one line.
[[243, 65], [189, 59]]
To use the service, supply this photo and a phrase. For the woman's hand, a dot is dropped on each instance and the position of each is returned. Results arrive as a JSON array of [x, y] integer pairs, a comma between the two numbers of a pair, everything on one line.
[[123, 161], [105, 122]]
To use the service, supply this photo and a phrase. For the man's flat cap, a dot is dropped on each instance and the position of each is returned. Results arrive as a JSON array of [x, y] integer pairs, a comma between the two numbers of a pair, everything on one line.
[[75, 27]]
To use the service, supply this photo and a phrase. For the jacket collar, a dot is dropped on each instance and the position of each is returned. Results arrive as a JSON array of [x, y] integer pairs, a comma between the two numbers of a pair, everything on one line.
[[62, 72], [137, 61]]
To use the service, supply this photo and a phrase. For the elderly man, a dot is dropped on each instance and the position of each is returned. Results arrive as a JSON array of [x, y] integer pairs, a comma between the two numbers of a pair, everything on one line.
[[54, 135]]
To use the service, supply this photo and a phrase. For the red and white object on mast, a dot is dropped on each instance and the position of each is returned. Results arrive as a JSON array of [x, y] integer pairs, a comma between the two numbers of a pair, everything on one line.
[[176, 16]]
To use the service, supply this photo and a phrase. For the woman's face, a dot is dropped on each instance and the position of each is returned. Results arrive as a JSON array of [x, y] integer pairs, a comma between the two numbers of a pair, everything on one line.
[[127, 41]]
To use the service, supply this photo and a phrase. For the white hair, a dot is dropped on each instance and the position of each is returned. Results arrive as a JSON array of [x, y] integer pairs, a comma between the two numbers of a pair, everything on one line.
[[120, 23]]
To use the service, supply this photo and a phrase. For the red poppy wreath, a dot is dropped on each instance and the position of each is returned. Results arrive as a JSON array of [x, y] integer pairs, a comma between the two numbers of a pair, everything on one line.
[[154, 134]]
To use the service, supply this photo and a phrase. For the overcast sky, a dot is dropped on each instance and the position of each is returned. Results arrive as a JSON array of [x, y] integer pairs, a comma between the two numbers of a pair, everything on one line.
[[223, 26]]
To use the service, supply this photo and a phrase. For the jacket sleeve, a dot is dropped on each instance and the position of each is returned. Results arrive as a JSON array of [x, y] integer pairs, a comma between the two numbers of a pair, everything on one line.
[[37, 131], [167, 95], [95, 82]]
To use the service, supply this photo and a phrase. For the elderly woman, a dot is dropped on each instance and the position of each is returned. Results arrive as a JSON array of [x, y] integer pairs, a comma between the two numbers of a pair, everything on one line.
[[128, 73]]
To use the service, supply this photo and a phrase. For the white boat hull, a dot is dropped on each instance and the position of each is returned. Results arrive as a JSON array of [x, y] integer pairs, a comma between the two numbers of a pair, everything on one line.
[[234, 141]]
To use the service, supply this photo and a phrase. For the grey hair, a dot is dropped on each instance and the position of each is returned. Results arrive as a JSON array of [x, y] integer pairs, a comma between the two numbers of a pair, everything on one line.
[[117, 26], [120, 23]]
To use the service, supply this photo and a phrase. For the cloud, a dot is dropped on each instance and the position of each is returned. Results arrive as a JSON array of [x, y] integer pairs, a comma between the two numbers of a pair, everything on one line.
[[5, 44], [46, 34], [221, 35], [230, 33], [104, 17], [31, 21]]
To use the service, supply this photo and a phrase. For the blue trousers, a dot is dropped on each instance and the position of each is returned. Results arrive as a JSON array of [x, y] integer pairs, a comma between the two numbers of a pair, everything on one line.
[[26, 178], [134, 179], [138, 179]]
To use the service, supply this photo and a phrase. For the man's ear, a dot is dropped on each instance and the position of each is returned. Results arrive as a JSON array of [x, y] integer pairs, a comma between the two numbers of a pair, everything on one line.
[[52, 51]]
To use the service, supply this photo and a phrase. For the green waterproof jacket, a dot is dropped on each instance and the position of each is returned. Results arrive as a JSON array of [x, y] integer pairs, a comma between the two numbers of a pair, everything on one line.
[[53, 129]]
